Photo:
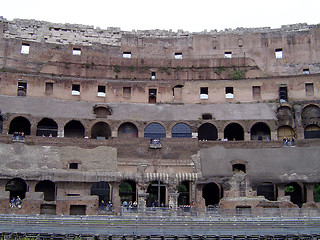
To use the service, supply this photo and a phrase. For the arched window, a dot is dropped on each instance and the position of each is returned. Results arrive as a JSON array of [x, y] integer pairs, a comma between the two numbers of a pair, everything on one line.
[[102, 111], [260, 131], [212, 194], [127, 130], [154, 131], [17, 188], [239, 167], [47, 127], [181, 130], [74, 129], [20, 124], [207, 131], [100, 130], [127, 191], [296, 192], [48, 188], [153, 198], [310, 114], [234, 131]]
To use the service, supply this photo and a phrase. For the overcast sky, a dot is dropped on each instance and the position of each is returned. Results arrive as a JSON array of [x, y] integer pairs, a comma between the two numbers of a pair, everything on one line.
[[193, 16]]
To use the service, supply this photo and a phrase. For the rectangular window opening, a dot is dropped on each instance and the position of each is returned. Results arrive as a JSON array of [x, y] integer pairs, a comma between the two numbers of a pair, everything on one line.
[[229, 92], [25, 48], [152, 95], [309, 89], [49, 88], [283, 94], [256, 92], [76, 51], [306, 71], [101, 91], [75, 89], [126, 54], [153, 75], [204, 93], [22, 89], [178, 56], [228, 54], [207, 116], [73, 165], [278, 53], [127, 92]]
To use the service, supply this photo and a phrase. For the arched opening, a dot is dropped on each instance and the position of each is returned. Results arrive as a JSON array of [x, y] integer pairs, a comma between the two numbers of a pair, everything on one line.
[[48, 188], [296, 192], [127, 191], [181, 130], [268, 190], [234, 131], [312, 131], [207, 131], [127, 130], [74, 129], [20, 124], [285, 114], [310, 114], [260, 131], [102, 112], [100, 130], [154, 131], [17, 188], [285, 132], [239, 167], [47, 127], [316, 193], [102, 190], [184, 193], [212, 194], [157, 194]]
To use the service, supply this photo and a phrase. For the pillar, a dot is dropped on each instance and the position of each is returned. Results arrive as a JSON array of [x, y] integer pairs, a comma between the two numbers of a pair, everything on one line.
[[115, 197], [309, 195], [199, 200], [247, 136], [142, 195], [281, 192], [299, 130]]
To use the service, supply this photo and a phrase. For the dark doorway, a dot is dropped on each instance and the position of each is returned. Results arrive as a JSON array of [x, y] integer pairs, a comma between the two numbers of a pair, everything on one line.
[[153, 190], [127, 130], [181, 130], [16, 187], [207, 131], [152, 95], [234, 131], [154, 131], [260, 131], [127, 191], [184, 193], [48, 188], [78, 209], [74, 129], [312, 131], [1, 123], [100, 130], [211, 194], [268, 190], [102, 190], [47, 127], [295, 191], [20, 124]]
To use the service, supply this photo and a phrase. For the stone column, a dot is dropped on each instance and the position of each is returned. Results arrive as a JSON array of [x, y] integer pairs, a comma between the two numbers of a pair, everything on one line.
[[115, 197], [309, 187], [173, 200], [220, 135], [247, 136], [281, 192], [142, 196], [199, 200], [299, 130]]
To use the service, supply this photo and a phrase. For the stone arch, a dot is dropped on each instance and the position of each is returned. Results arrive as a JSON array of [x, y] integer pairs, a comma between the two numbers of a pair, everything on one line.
[[207, 131], [128, 130], [268, 190], [47, 127], [212, 193], [127, 191], [74, 128], [296, 191], [102, 190], [260, 131], [153, 197], [312, 131], [310, 114], [17, 187], [181, 130], [285, 132], [154, 131], [20, 124], [101, 111], [184, 193], [285, 113], [48, 188], [234, 131], [101, 130]]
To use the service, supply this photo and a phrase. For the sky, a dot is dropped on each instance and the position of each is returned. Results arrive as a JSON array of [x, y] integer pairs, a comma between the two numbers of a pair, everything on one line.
[[192, 16]]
